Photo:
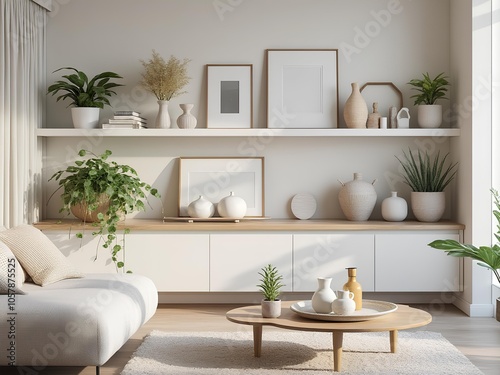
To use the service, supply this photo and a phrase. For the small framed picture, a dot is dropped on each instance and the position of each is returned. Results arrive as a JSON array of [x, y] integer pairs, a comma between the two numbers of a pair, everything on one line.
[[215, 178], [302, 88], [229, 96]]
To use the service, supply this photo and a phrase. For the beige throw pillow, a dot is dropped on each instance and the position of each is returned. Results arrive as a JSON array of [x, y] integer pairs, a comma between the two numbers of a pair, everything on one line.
[[41, 259], [11, 272]]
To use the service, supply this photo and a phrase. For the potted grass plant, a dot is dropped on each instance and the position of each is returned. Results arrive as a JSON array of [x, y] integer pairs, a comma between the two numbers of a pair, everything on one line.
[[430, 114], [427, 178], [270, 286], [102, 192], [487, 256], [86, 96]]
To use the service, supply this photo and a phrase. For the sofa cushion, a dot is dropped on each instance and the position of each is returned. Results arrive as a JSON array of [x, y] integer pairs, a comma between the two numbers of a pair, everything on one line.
[[11, 272], [41, 259]]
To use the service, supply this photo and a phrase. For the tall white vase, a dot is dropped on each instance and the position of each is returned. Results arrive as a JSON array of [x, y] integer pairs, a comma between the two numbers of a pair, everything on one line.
[[163, 117], [323, 297], [186, 120], [355, 109]]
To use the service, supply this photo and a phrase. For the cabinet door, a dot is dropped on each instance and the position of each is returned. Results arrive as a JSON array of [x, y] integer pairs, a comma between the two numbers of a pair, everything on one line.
[[236, 259], [175, 262], [404, 263], [328, 255]]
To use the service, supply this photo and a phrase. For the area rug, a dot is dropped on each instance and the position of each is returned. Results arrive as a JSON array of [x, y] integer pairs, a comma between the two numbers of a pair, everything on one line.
[[295, 353]]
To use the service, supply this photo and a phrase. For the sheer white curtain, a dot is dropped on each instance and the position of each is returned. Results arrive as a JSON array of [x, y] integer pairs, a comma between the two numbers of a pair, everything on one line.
[[22, 98]]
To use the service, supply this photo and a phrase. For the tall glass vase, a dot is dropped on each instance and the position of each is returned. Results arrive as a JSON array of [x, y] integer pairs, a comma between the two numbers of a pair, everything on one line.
[[163, 117]]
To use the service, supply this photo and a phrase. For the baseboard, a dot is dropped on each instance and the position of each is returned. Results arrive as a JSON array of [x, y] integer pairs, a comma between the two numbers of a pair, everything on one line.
[[476, 310], [436, 299]]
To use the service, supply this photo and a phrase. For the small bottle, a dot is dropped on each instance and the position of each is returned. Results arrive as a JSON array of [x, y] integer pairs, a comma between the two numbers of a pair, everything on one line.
[[353, 286]]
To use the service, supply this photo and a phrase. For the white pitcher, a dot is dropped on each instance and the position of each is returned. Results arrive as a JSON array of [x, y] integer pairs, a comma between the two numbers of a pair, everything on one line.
[[344, 304]]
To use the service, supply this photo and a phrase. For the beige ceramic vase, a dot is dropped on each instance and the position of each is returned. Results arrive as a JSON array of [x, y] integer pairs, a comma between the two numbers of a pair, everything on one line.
[[355, 109], [357, 198]]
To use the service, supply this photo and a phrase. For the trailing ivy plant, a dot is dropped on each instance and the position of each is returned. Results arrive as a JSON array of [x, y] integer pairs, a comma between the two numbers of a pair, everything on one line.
[[270, 283], [88, 180], [425, 175]]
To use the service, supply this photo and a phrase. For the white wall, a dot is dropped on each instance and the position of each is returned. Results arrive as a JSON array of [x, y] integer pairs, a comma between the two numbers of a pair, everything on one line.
[[393, 41]]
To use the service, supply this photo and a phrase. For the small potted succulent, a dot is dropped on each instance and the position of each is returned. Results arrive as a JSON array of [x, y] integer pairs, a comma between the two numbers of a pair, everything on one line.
[[102, 192], [430, 114], [87, 96], [270, 285], [487, 256], [428, 179]]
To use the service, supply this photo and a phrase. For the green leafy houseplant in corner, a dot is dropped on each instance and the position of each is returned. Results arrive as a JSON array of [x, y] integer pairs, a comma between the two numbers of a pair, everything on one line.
[[430, 114], [102, 192], [487, 256], [427, 178], [86, 96], [270, 286]]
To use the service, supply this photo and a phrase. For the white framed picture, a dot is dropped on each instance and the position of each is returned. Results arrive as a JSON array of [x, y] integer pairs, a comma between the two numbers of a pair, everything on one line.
[[229, 95], [302, 88], [216, 178]]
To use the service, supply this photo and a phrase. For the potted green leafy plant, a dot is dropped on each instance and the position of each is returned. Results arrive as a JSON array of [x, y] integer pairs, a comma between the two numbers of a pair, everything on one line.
[[487, 256], [270, 286], [165, 79], [430, 114], [428, 179], [86, 96], [102, 192]]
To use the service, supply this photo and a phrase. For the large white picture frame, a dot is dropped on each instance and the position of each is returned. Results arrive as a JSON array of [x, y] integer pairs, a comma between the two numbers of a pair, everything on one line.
[[302, 88], [229, 95], [215, 178]]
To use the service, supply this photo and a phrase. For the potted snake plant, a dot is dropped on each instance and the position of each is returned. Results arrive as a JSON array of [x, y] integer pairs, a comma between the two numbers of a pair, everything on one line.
[[270, 285], [86, 96]]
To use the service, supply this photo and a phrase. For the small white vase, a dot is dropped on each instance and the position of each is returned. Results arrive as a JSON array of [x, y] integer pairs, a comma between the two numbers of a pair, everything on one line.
[[232, 206], [428, 206], [394, 208], [186, 120], [85, 117], [163, 117], [271, 309], [344, 304], [201, 208], [323, 297], [357, 198], [430, 115]]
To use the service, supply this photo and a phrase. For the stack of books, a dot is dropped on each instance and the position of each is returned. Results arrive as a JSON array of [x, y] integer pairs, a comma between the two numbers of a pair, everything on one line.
[[126, 120]]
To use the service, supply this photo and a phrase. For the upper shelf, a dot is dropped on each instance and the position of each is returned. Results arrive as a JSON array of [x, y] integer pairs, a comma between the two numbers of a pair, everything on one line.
[[259, 132]]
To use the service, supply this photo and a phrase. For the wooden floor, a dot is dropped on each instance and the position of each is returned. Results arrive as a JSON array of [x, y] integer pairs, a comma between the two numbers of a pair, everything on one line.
[[477, 338]]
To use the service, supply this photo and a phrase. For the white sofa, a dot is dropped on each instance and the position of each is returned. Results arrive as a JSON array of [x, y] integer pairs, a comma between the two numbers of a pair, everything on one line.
[[74, 322], [63, 317]]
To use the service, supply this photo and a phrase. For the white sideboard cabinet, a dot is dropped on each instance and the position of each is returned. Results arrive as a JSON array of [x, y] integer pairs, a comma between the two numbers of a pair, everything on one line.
[[328, 255], [405, 263]]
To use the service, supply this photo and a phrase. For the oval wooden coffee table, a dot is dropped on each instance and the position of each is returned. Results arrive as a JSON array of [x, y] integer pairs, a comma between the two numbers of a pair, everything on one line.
[[404, 317]]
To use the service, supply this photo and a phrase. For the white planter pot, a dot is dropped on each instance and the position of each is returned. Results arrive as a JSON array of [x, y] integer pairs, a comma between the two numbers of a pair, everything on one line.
[[85, 117], [430, 116], [271, 309], [428, 206]]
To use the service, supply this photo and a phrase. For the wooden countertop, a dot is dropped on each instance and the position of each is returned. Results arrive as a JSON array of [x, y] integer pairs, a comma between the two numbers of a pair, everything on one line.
[[282, 225]]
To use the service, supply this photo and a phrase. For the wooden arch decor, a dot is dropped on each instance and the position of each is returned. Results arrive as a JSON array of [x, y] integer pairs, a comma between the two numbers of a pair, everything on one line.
[[390, 84]]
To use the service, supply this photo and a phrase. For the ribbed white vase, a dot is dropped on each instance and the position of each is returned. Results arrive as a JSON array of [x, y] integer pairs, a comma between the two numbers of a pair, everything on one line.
[[357, 198], [186, 120], [163, 117]]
